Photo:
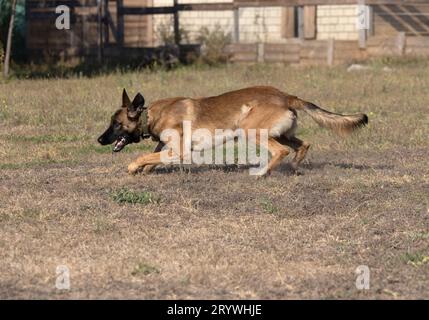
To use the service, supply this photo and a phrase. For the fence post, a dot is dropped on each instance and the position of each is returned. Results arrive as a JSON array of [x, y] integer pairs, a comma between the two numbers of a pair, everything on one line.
[[100, 30], [400, 43], [362, 39], [9, 40], [105, 21], [330, 53], [236, 25], [120, 23], [300, 15], [362, 30], [176, 23], [261, 52]]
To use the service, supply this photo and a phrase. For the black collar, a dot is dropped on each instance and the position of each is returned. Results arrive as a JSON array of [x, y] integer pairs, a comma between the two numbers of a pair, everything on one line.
[[144, 126]]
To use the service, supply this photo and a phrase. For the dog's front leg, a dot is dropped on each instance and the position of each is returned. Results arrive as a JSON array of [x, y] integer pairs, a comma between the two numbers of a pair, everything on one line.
[[172, 154], [148, 168], [147, 159], [153, 159]]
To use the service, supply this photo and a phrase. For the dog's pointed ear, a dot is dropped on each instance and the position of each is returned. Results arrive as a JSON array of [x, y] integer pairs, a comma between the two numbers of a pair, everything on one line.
[[136, 107], [126, 102], [138, 102]]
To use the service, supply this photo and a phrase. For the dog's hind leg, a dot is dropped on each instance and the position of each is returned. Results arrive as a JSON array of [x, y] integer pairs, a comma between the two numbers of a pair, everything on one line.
[[300, 147], [277, 151], [148, 168]]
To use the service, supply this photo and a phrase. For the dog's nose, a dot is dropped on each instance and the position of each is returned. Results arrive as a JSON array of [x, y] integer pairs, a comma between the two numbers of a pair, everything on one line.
[[100, 140]]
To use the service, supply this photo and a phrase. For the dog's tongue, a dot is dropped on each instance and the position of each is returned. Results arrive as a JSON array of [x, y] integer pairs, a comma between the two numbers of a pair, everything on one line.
[[119, 144]]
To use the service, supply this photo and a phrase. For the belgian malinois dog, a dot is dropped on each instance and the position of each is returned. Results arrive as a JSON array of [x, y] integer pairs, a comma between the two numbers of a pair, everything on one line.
[[257, 108]]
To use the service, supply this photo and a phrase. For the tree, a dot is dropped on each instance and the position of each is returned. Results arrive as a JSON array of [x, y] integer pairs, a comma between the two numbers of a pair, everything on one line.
[[9, 40]]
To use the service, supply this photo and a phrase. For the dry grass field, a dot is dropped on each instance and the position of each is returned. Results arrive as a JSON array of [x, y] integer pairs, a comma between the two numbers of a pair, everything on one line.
[[216, 232]]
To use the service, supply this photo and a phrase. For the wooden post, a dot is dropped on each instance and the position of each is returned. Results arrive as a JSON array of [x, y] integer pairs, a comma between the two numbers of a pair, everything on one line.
[[371, 22], [106, 22], [362, 39], [400, 43], [362, 31], [309, 22], [261, 52], [236, 25], [120, 23], [176, 23], [331, 50], [288, 22], [100, 31], [300, 22], [9, 40]]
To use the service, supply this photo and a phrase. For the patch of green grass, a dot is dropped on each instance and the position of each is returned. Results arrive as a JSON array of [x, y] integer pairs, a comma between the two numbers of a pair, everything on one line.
[[3, 115], [269, 207], [144, 269], [415, 258], [125, 195]]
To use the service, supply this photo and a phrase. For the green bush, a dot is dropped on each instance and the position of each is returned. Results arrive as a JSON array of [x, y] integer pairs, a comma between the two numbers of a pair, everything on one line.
[[165, 34], [18, 43], [213, 44]]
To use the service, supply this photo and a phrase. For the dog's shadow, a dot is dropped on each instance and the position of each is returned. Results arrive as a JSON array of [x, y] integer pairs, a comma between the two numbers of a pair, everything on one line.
[[343, 165], [285, 168], [197, 169]]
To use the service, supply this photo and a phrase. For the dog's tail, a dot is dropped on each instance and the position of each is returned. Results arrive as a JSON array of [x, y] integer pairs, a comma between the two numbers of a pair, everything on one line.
[[341, 124]]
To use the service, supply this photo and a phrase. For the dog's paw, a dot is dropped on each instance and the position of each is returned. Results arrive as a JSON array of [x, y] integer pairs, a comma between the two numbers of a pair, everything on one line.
[[148, 169], [133, 168], [262, 173], [294, 169]]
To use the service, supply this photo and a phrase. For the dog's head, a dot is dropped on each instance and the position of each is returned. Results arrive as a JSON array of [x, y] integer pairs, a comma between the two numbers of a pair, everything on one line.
[[125, 125]]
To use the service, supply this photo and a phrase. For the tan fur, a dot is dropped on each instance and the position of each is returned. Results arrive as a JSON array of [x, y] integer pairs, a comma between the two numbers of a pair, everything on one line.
[[341, 124], [250, 108]]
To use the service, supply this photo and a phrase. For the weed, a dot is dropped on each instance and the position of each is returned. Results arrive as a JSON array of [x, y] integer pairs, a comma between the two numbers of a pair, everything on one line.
[[269, 207], [213, 43], [125, 195], [415, 258], [144, 269]]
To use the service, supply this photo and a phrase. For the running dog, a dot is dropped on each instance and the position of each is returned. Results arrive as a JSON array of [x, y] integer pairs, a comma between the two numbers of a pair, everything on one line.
[[260, 107]]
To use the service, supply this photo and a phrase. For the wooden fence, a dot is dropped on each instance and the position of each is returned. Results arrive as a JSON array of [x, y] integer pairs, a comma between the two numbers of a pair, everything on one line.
[[114, 28], [328, 52]]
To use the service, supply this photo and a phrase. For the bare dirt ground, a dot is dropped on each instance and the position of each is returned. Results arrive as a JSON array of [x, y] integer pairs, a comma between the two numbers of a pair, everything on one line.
[[216, 232]]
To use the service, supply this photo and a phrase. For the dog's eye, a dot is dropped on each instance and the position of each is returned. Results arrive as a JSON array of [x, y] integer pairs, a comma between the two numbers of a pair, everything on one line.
[[116, 125]]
